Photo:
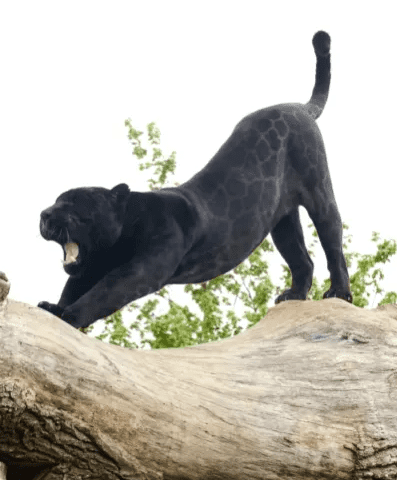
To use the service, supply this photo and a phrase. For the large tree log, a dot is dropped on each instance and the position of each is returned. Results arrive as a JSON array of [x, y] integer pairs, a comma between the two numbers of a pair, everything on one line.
[[310, 392]]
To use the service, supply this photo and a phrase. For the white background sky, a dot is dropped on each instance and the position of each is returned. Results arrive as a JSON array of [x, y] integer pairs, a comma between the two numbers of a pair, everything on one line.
[[72, 72]]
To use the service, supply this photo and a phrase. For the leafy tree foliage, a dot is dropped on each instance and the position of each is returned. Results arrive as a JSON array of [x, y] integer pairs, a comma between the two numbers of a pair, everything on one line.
[[248, 285]]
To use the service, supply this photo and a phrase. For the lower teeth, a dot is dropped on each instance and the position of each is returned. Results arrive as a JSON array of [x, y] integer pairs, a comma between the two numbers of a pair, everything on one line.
[[72, 252]]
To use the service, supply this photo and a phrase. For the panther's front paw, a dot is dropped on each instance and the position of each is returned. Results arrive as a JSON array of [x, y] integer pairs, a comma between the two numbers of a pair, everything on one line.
[[73, 318], [290, 295], [339, 293], [52, 308]]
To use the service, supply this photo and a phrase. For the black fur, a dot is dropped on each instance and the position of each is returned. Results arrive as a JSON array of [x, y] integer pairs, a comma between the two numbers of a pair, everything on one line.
[[132, 244]]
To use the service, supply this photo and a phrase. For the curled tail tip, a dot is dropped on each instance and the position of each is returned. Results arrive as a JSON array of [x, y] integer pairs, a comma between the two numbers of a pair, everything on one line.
[[322, 43]]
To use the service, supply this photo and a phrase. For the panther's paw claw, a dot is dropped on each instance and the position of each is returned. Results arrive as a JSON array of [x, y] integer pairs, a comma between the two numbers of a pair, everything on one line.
[[52, 308], [339, 293], [290, 295]]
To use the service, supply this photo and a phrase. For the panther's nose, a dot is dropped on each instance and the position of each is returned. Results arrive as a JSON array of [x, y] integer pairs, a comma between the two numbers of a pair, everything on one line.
[[45, 215]]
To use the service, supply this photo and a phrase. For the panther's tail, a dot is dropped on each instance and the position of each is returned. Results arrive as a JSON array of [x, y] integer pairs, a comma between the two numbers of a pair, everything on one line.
[[321, 44]]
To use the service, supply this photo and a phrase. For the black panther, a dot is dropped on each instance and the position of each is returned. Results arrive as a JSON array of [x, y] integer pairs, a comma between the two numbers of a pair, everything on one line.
[[121, 245]]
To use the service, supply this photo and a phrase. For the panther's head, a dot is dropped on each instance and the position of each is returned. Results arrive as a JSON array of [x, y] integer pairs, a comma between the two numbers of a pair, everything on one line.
[[85, 221]]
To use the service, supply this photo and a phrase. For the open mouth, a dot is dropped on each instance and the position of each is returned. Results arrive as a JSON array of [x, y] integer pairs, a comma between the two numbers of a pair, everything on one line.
[[71, 253]]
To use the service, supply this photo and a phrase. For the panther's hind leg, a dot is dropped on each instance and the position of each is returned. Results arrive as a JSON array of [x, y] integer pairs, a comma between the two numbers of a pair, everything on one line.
[[288, 238], [328, 223]]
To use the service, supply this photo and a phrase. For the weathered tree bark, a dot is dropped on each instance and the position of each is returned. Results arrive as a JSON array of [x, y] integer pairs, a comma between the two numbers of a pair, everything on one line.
[[308, 393]]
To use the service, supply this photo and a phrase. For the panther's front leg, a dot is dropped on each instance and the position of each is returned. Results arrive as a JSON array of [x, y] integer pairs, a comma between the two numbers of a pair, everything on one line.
[[73, 290], [132, 280]]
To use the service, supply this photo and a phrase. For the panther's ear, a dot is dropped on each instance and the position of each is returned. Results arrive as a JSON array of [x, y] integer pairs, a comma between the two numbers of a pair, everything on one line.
[[121, 191]]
